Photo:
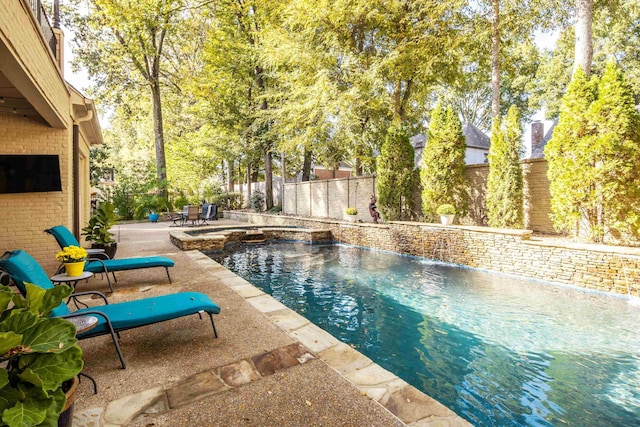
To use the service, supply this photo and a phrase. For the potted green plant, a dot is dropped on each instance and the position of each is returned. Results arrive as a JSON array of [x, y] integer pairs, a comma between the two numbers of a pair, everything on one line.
[[351, 214], [447, 214], [73, 258], [151, 205], [97, 230], [40, 355]]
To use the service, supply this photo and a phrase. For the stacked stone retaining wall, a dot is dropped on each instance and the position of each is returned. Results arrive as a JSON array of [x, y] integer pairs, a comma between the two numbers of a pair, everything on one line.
[[597, 267]]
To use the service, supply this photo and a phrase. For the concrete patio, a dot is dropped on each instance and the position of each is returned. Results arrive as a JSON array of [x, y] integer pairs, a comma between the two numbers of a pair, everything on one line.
[[268, 367]]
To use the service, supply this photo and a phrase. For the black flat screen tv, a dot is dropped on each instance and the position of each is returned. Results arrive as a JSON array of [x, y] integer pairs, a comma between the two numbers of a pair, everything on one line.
[[23, 173]]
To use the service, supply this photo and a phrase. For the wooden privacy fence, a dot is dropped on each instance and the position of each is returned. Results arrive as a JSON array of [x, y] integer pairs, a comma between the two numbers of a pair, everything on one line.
[[330, 198]]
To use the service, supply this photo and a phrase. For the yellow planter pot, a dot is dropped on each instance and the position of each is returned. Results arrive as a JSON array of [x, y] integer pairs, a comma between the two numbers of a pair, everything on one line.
[[74, 269]]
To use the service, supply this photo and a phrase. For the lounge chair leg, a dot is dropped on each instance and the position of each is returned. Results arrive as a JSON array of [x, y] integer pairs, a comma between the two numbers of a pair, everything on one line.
[[115, 342], [168, 275], [90, 378], [113, 273], [109, 280], [215, 333]]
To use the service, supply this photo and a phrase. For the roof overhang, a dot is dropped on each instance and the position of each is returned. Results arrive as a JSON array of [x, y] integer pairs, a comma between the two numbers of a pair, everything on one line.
[[84, 115]]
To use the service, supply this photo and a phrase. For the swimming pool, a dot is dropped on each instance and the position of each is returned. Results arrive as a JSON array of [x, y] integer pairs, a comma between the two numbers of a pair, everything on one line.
[[497, 350]]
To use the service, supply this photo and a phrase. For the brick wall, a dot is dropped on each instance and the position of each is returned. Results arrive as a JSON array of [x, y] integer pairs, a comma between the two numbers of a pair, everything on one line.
[[597, 267], [537, 198], [26, 215]]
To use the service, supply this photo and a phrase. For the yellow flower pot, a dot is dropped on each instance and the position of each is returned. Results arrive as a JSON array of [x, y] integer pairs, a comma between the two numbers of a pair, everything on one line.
[[74, 269]]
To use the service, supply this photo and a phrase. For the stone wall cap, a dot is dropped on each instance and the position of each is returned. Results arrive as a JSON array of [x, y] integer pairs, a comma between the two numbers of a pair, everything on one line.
[[591, 247], [524, 234]]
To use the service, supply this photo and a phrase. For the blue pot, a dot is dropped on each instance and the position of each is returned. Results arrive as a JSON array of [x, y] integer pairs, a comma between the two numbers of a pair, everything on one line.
[[153, 217]]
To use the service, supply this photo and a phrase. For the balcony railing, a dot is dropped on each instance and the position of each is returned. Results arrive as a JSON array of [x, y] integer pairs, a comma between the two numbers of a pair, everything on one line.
[[45, 26]]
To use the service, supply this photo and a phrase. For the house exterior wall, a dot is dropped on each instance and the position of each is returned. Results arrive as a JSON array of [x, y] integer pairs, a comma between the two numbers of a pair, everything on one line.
[[330, 174], [26, 215], [29, 63], [473, 156]]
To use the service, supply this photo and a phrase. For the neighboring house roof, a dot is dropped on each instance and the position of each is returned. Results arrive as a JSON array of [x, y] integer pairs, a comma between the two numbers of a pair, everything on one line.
[[475, 138]]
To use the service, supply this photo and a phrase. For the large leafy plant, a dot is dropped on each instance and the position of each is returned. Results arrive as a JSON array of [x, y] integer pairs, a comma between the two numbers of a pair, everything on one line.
[[40, 353], [97, 230]]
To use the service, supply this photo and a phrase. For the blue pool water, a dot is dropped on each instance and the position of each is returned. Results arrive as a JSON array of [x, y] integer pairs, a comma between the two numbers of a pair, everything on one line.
[[497, 350]]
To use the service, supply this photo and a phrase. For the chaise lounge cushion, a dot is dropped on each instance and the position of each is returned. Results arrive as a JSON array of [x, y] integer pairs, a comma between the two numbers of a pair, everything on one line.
[[131, 314], [128, 264]]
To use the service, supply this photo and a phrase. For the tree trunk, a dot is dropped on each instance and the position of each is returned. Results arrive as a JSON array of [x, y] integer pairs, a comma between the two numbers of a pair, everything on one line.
[[230, 182], [306, 165], [248, 183], [161, 163], [268, 179], [495, 59], [268, 170], [284, 179], [584, 36]]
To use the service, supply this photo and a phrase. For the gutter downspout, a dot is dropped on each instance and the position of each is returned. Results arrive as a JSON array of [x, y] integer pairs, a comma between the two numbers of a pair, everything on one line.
[[76, 172]]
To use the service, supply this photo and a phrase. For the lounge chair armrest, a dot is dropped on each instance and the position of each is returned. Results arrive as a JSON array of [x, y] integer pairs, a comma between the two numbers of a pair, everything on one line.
[[97, 254], [101, 261], [100, 294]]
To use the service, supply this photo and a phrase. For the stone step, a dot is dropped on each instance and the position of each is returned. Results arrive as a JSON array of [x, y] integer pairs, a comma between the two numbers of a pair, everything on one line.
[[255, 241]]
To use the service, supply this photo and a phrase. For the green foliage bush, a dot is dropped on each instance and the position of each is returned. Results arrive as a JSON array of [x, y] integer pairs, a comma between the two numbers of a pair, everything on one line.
[[276, 209], [593, 159], [227, 201], [505, 208], [396, 181], [446, 209], [442, 173], [351, 211], [148, 203], [256, 201]]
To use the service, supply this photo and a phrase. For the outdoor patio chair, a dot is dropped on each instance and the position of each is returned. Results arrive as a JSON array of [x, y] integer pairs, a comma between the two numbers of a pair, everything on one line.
[[112, 318], [65, 238], [193, 214], [178, 218], [209, 214]]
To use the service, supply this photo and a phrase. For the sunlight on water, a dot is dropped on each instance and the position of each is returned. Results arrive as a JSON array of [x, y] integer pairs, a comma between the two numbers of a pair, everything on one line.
[[497, 350]]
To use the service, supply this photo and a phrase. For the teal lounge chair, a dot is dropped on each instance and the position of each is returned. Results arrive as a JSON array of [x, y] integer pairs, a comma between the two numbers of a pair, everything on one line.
[[64, 237], [112, 318]]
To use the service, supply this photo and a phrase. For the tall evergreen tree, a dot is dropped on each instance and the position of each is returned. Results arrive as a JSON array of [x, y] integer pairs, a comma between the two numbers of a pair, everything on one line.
[[567, 168], [593, 167], [504, 184], [395, 183], [442, 174]]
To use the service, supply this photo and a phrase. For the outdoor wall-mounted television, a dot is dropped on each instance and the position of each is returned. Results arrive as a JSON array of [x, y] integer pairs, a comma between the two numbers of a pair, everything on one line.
[[23, 173]]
